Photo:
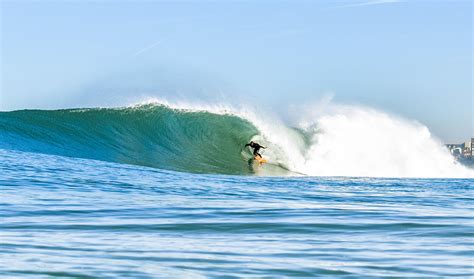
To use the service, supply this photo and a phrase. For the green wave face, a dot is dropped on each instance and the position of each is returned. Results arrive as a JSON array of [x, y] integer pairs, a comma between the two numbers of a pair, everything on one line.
[[151, 135]]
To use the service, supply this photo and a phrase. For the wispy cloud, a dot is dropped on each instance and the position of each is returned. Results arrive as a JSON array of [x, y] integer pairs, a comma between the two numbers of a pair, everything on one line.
[[147, 48], [367, 3]]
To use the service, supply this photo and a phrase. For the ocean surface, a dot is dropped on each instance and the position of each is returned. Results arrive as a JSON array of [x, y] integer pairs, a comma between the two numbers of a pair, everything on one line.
[[155, 192]]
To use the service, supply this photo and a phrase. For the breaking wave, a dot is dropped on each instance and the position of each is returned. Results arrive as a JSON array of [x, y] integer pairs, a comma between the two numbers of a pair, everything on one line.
[[341, 141]]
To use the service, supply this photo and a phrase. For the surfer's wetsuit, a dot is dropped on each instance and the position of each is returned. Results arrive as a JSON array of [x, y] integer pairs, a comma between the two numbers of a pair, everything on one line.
[[256, 147]]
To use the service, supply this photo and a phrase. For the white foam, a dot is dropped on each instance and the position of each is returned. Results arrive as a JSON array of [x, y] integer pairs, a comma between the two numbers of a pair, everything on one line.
[[357, 141]]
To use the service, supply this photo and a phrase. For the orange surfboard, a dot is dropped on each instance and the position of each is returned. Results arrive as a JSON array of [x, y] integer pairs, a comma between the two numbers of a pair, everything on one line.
[[260, 160]]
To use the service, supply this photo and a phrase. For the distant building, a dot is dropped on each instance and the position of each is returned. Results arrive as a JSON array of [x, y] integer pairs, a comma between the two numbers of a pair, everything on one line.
[[467, 153], [472, 147], [469, 148]]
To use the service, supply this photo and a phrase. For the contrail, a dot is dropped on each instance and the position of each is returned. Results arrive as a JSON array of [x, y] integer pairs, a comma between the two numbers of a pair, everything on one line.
[[368, 3], [147, 48]]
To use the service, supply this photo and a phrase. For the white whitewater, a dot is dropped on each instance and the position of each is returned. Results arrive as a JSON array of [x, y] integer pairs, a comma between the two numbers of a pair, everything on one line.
[[354, 141]]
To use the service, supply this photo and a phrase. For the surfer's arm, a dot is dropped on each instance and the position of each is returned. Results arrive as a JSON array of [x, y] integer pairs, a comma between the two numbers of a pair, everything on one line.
[[248, 144]]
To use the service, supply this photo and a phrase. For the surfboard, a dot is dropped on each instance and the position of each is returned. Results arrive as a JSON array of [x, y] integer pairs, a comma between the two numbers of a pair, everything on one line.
[[260, 160]]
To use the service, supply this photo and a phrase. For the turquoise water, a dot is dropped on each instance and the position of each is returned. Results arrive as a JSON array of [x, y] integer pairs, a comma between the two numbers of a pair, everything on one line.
[[154, 136], [72, 217]]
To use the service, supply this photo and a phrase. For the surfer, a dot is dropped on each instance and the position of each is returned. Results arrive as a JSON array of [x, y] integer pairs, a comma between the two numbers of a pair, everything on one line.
[[256, 147]]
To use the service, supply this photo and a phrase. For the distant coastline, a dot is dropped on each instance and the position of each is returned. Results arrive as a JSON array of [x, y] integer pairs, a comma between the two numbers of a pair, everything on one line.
[[463, 152]]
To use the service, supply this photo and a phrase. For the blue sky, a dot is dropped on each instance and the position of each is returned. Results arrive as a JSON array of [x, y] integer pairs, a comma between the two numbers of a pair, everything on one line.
[[411, 58]]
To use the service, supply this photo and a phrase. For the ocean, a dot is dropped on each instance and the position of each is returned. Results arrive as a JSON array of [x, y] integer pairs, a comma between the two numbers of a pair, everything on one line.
[[155, 191]]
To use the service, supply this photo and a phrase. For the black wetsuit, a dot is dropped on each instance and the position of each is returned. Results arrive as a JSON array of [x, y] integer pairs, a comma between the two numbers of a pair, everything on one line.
[[256, 147]]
